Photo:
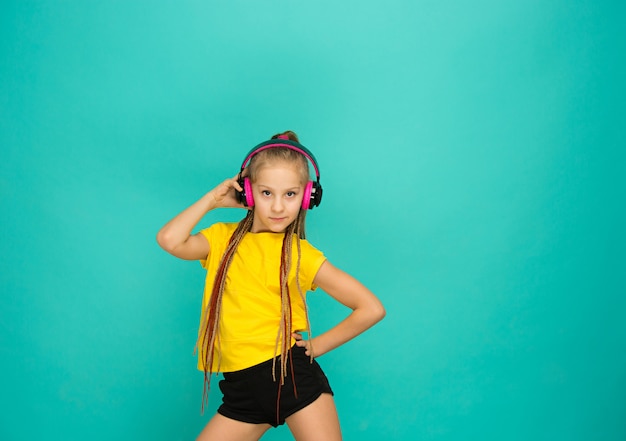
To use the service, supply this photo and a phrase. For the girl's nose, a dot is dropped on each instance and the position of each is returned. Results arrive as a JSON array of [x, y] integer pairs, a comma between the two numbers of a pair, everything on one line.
[[277, 204]]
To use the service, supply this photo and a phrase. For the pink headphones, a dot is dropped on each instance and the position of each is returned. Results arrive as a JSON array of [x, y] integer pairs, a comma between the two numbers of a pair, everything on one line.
[[312, 190]]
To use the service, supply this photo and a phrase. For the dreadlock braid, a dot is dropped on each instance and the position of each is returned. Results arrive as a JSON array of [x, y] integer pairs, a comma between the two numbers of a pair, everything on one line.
[[285, 328], [208, 335], [295, 230]]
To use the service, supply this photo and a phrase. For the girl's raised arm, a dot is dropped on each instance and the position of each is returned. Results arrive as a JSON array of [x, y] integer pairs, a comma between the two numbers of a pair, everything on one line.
[[175, 237], [367, 310]]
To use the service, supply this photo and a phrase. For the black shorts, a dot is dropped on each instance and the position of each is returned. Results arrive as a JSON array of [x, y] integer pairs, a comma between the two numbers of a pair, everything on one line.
[[251, 395]]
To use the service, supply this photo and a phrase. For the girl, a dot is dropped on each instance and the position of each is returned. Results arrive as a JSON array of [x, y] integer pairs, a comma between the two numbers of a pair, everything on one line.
[[254, 308]]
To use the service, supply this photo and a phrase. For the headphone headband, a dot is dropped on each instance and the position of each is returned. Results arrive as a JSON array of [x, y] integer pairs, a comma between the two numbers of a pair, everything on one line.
[[291, 145]]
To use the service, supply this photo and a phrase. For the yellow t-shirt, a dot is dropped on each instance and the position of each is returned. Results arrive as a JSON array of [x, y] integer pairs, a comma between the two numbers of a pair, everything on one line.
[[251, 308]]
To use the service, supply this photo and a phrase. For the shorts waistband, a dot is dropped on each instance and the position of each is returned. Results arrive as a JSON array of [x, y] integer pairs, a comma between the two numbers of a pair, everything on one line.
[[264, 365]]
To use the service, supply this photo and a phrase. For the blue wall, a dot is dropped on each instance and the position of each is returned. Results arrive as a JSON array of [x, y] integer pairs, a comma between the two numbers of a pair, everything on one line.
[[472, 156]]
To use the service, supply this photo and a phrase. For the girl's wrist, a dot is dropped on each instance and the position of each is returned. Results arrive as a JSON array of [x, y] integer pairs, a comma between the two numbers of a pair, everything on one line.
[[211, 201], [317, 347]]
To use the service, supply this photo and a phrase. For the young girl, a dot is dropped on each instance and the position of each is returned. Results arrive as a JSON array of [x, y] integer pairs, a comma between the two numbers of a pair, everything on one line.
[[254, 308]]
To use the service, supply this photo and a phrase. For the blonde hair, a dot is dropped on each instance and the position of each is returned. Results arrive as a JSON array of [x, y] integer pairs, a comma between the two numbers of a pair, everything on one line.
[[208, 337]]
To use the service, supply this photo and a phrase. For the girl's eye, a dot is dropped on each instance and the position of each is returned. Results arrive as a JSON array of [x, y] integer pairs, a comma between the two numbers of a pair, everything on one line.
[[266, 192], [291, 194]]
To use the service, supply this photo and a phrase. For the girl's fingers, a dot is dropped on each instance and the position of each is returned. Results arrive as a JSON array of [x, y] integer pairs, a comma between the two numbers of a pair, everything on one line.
[[302, 343], [235, 183], [223, 193]]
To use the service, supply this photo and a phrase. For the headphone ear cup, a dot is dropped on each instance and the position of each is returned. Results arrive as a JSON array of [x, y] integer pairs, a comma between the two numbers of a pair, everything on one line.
[[312, 195], [245, 196], [306, 198], [239, 194], [316, 197], [247, 193]]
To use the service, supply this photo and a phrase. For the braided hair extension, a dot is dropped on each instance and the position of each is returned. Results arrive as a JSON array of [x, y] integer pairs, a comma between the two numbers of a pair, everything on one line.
[[208, 335], [285, 330]]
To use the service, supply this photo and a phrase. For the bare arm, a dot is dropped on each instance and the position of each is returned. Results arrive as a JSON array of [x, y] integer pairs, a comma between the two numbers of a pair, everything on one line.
[[175, 237], [367, 310]]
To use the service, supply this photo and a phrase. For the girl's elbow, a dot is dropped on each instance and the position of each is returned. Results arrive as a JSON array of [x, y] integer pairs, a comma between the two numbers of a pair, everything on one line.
[[161, 239], [380, 312], [165, 241], [376, 312]]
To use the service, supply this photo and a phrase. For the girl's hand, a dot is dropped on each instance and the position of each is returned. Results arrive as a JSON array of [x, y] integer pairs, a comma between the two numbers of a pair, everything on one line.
[[224, 194], [302, 343]]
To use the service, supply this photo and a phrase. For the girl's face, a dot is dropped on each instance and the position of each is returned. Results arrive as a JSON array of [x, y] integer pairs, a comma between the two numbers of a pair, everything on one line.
[[277, 192]]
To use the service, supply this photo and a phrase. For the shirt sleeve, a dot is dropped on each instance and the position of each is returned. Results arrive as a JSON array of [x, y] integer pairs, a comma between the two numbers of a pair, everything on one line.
[[207, 234], [312, 259], [216, 234]]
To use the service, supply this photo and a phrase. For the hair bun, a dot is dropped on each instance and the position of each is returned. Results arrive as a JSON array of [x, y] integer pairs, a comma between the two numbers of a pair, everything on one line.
[[288, 135]]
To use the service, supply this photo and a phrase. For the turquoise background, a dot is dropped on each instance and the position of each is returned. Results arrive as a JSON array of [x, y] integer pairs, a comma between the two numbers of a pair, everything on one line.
[[472, 156]]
